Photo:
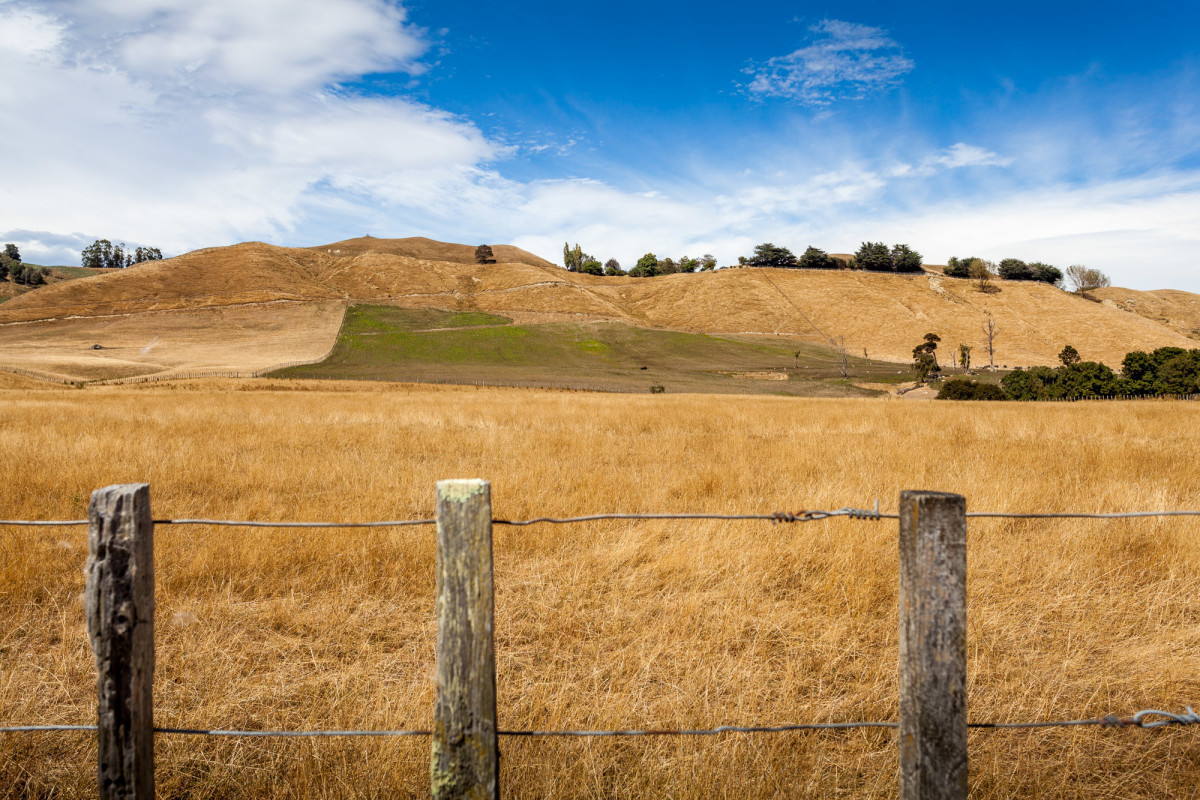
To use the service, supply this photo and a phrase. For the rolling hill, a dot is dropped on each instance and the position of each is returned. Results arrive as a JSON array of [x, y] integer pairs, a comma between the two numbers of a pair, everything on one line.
[[253, 306]]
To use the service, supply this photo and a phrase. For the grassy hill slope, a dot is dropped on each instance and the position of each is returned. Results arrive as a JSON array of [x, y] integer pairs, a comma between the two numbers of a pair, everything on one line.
[[389, 343], [1177, 310], [880, 316]]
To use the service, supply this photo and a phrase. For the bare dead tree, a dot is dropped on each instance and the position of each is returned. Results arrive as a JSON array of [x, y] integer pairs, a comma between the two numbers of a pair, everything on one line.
[[991, 330], [843, 359]]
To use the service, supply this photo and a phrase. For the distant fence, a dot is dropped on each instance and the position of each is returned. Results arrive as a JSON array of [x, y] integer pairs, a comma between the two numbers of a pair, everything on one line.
[[1116, 397], [932, 728], [41, 376]]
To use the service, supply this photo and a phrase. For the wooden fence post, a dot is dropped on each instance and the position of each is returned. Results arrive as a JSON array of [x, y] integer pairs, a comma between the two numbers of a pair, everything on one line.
[[120, 619], [933, 646], [465, 757]]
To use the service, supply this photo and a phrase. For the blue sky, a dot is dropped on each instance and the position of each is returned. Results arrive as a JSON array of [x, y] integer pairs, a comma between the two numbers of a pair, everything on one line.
[[1068, 133]]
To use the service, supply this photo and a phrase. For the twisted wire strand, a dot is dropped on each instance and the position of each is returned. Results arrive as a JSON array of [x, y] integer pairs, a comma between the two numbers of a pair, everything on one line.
[[873, 515], [1142, 719]]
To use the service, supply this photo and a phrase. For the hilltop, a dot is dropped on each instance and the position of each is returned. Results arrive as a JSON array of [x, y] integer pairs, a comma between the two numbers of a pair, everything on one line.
[[253, 305]]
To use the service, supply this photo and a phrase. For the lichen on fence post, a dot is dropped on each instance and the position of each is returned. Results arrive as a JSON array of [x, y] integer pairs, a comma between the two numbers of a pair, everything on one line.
[[933, 646], [464, 759], [120, 620]]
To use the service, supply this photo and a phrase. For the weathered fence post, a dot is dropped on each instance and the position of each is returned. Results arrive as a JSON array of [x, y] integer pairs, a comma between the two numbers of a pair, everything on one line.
[[465, 757], [933, 646], [120, 620]]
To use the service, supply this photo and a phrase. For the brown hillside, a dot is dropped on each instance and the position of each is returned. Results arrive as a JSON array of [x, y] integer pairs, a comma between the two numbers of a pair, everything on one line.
[[429, 250], [883, 314], [1175, 309]]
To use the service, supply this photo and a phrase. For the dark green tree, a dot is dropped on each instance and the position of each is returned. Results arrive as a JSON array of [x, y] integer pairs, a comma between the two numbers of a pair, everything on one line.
[[13, 253], [646, 267], [96, 254], [958, 267], [931, 343], [612, 267], [768, 255], [1014, 269], [483, 254], [1046, 273], [961, 389], [591, 265], [924, 361], [905, 259], [3, 268], [144, 254], [815, 258], [1084, 379], [874, 257], [1069, 356], [708, 262]]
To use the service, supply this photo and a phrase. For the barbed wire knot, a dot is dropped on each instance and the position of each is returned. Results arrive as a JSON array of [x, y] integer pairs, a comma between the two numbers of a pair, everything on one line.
[[1187, 718]]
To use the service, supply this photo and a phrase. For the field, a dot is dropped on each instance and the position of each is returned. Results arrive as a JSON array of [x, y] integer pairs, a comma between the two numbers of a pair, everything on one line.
[[603, 625], [401, 344]]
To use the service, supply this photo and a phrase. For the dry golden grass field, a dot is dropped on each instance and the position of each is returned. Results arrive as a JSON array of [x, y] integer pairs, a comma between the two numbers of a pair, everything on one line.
[[274, 304], [602, 625]]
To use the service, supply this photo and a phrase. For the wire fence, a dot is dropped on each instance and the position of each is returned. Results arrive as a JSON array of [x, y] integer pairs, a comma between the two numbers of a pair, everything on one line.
[[1147, 719], [1141, 719], [777, 516]]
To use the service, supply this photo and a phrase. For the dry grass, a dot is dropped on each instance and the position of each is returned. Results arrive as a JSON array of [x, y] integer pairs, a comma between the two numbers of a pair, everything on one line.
[[1170, 307], [234, 338], [605, 624], [882, 313]]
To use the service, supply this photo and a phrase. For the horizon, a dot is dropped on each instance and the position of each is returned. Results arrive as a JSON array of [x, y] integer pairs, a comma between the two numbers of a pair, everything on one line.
[[627, 129]]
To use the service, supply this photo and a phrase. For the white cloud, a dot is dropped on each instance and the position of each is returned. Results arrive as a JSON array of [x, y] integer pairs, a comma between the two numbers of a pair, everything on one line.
[[843, 61], [184, 124], [964, 155], [221, 46]]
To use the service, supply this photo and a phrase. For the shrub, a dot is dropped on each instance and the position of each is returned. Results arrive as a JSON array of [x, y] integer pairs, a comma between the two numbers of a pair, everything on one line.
[[959, 267], [961, 389]]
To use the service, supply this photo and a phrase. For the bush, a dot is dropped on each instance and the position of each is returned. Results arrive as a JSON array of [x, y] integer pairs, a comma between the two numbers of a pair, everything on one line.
[[961, 389], [768, 255], [905, 259], [815, 258], [958, 267], [1014, 269], [874, 257]]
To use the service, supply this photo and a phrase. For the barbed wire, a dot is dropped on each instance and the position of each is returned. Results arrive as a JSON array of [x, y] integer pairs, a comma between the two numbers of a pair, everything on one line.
[[1142, 719], [778, 516]]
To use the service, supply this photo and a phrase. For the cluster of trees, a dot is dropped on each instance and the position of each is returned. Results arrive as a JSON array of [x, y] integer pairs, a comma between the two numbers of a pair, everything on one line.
[[649, 265], [12, 268], [1082, 279], [873, 256], [876, 257], [575, 260], [103, 254], [1167, 370], [1010, 269]]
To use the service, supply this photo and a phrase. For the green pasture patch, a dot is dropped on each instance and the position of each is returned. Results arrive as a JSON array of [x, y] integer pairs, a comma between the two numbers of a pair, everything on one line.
[[399, 344], [389, 319]]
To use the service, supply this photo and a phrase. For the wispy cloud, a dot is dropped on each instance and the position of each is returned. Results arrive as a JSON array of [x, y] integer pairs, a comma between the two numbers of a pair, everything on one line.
[[842, 61]]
